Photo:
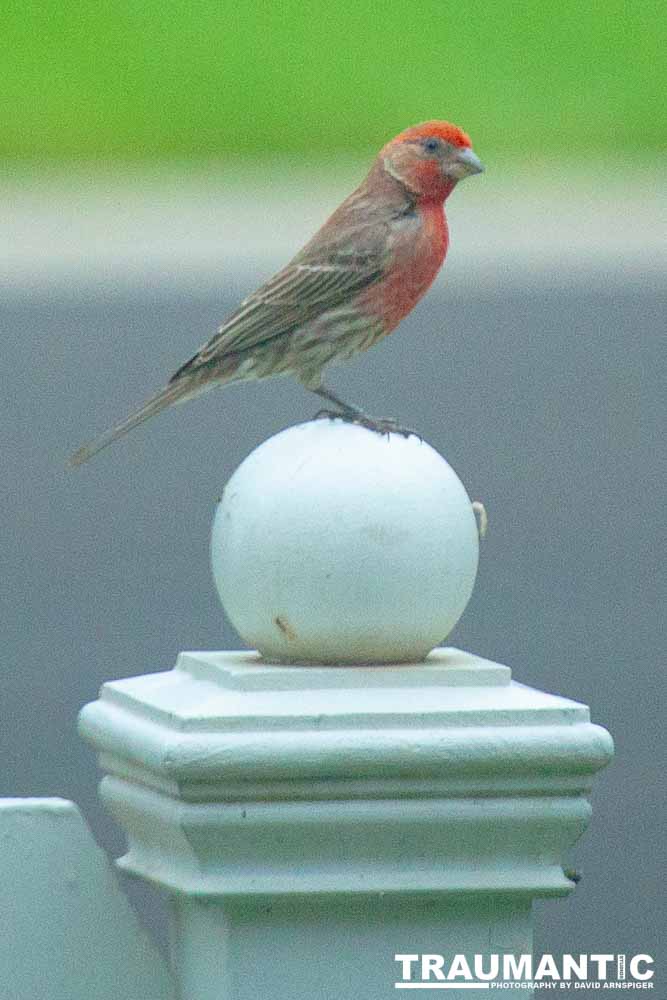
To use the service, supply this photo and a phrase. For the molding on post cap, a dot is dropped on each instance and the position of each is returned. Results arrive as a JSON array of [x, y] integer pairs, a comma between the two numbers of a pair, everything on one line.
[[451, 845], [227, 725], [234, 776]]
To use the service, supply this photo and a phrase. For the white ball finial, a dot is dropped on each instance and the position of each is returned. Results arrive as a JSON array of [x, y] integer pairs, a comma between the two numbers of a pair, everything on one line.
[[334, 544]]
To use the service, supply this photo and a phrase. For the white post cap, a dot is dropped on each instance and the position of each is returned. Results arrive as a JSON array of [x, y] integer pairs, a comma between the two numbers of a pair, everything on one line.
[[234, 776], [335, 544]]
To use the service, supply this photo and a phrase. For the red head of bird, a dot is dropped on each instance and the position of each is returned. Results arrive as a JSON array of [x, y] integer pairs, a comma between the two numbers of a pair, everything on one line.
[[429, 159]]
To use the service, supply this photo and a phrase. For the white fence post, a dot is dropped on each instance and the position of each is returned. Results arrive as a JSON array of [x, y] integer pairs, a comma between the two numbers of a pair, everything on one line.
[[68, 930], [313, 821]]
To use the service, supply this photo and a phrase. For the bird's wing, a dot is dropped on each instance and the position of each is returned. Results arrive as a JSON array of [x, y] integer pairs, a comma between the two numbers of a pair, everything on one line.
[[299, 293]]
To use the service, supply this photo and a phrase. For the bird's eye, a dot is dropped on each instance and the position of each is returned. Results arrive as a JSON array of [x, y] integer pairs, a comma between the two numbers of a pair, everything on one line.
[[431, 145]]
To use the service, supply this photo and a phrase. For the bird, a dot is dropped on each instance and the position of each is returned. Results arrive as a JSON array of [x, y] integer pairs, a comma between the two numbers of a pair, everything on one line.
[[346, 289]]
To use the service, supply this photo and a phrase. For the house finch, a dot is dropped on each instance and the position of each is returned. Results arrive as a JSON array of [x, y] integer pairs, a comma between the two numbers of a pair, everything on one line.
[[352, 284]]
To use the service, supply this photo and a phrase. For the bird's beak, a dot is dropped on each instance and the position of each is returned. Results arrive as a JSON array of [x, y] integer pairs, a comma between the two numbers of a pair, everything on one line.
[[464, 164]]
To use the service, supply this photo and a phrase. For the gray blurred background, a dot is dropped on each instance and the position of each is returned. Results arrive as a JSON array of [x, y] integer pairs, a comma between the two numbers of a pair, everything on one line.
[[537, 374]]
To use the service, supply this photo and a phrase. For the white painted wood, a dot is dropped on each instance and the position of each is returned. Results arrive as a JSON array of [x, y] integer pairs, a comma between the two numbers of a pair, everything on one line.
[[68, 931], [311, 822], [335, 544]]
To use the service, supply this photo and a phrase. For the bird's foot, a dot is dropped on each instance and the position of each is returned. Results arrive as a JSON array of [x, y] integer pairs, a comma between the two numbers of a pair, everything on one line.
[[379, 425], [325, 414], [386, 425]]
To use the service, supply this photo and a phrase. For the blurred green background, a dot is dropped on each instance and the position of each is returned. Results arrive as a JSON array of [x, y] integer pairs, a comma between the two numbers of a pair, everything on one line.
[[148, 80]]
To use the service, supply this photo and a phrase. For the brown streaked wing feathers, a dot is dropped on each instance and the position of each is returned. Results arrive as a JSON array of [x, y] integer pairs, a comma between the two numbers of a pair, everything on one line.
[[299, 293]]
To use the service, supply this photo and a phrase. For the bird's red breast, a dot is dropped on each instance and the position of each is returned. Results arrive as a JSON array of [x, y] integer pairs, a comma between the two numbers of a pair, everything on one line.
[[417, 256]]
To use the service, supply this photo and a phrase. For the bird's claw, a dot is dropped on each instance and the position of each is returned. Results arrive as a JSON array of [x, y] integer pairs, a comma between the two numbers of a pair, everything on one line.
[[386, 425], [379, 425], [328, 414]]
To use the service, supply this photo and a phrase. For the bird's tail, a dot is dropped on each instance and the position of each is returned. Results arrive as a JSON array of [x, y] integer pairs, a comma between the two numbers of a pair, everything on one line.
[[172, 393]]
